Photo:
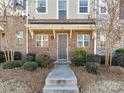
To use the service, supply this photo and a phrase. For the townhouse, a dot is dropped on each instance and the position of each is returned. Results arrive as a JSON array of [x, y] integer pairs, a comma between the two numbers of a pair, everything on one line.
[[59, 27]]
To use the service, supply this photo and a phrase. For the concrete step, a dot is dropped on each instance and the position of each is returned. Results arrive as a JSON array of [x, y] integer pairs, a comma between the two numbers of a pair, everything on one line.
[[61, 88], [61, 81], [62, 62]]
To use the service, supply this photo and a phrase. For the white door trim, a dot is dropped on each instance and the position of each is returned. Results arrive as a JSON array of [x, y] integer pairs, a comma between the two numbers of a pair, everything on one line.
[[58, 43]]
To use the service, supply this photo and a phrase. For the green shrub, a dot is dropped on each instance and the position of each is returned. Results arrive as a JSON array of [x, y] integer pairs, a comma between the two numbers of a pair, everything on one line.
[[17, 55], [79, 57], [92, 67], [77, 61], [93, 58], [43, 60], [30, 57], [80, 53], [30, 66], [12, 64], [118, 58], [2, 57], [120, 50]]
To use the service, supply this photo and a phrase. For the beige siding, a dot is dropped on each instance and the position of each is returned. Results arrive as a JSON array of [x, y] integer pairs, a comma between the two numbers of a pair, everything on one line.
[[52, 10]]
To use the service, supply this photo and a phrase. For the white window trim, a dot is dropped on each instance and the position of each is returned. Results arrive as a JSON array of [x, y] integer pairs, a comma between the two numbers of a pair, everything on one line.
[[42, 41], [46, 7], [57, 8], [79, 7], [83, 41]]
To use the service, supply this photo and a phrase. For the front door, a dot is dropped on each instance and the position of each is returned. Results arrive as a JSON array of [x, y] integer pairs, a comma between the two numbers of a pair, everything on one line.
[[62, 46]]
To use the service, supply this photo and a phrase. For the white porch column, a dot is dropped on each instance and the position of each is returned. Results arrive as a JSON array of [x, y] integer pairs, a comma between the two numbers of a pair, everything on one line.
[[70, 33], [95, 42], [54, 33]]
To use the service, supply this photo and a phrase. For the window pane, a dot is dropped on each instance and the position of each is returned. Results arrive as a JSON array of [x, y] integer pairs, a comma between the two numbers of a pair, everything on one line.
[[45, 38], [62, 5], [41, 3], [80, 37], [38, 38], [38, 43], [41, 9], [19, 37], [86, 37], [41, 6], [83, 3], [45, 44], [83, 9], [103, 9], [86, 43], [62, 14], [80, 43]]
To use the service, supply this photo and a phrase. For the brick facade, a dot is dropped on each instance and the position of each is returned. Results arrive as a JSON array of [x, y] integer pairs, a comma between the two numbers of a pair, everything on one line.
[[16, 24], [52, 43]]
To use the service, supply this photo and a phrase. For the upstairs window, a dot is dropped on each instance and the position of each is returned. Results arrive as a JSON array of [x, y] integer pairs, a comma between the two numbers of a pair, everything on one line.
[[41, 6], [83, 6], [103, 6], [62, 9]]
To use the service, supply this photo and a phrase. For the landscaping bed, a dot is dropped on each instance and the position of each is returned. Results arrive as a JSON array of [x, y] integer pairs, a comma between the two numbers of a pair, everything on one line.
[[109, 80], [19, 80]]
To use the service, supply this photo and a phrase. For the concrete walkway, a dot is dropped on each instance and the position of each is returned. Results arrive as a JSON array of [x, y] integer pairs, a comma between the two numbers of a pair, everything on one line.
[[61, 80]]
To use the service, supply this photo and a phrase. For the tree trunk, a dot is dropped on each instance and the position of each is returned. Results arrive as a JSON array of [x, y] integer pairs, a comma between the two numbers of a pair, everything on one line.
[[106, 58], [5, 55], [110, 57]]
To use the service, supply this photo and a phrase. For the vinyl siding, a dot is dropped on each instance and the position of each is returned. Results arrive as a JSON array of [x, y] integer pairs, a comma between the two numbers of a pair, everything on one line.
[[52, 10]]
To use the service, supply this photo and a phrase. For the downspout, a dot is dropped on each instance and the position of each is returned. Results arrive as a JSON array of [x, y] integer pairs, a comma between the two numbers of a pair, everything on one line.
[[95, 42]]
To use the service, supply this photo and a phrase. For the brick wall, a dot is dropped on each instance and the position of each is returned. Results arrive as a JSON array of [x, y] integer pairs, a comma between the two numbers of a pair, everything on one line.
[[16, 24], [52, 49]]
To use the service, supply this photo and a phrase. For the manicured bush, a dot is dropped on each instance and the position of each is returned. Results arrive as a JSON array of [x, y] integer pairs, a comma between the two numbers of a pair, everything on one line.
[[118, 58], [80, 53], [93, 58], [30, 57], [11, 64], [30, 66], [17, 55], [120, 50], [77, 61], [43, 60], [2, 57], [79, 57], [92, 67]]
